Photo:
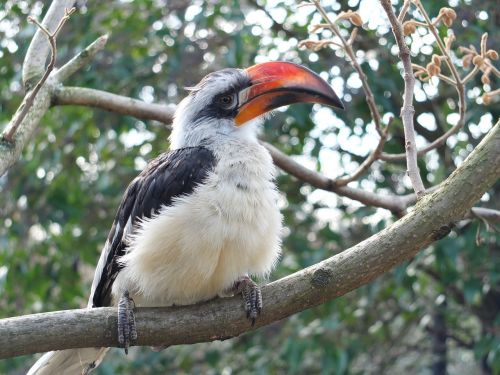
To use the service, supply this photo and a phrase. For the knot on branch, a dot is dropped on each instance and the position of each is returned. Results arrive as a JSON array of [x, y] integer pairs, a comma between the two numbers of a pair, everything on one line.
[[6, 144], [404, 52], [407, 109], [442, 232], [408, 77], [321, 277]]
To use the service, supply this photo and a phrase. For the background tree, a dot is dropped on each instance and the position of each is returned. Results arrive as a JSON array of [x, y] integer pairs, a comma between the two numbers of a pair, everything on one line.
[[437, 312]]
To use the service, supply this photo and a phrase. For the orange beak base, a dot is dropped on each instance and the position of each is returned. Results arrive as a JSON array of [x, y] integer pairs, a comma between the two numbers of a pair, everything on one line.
[[276, 84]]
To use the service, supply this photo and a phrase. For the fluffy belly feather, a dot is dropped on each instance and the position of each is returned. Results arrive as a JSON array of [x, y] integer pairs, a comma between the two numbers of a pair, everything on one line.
[[198, 247]]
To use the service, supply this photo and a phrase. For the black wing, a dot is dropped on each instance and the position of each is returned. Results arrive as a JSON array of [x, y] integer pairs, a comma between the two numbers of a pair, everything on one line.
[[168, 176]]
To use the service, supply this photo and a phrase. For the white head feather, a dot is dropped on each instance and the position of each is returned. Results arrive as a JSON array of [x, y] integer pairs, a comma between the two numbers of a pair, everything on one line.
[[194, 126]]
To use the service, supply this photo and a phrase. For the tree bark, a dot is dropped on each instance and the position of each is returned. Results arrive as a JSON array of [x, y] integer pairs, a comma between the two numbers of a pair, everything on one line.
[[224, 318]]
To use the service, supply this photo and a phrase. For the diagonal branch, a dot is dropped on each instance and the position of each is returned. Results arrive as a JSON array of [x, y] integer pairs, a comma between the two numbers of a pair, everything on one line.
[[81, 60], [34, 62], [224, 318], [28, 103], [342, 181], [35, 105], [394, 203]]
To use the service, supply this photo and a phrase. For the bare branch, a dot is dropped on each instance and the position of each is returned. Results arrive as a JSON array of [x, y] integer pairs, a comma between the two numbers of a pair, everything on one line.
[[36, 103], [393, 203], [370, 99], [81, 60], [404, 10], [407, 111], [471, 74], [34, 62], [112, 102], [449, 81], [224, 318], [28, 103], [342, 181], [458, 83]]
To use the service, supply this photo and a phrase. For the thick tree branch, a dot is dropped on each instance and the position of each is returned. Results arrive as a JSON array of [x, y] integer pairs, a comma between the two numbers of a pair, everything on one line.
[[407, 110], [224, 318]]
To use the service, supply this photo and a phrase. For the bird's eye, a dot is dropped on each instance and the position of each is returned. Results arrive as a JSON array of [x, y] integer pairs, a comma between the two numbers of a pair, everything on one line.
[[226, 101]]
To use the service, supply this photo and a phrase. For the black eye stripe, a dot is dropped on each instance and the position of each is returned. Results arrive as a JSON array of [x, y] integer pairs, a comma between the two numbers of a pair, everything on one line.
[[223, 104]]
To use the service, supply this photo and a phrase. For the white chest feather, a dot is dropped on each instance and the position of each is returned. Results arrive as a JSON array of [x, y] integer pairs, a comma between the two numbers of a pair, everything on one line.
[[195, 249]]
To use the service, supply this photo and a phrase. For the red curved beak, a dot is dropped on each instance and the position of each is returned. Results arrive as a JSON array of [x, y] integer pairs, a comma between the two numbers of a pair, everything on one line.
[[278, 83]]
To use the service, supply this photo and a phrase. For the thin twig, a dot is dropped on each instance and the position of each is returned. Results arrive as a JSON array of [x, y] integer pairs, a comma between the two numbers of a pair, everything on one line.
[[352, 37], [374, 155], [404, 10], [9, 134], [448, 80], [459, 86], [442, 47], [471, 74], [370, 99], [38, 51], [407, 110], [347, 46], [431, 146], [420, 71]]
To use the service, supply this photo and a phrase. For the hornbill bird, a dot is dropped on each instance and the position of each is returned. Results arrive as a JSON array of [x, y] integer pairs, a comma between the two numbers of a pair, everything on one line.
[[202, 218]]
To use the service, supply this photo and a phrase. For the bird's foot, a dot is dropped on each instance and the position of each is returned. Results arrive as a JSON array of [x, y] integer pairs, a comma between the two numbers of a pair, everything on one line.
[[252, 297], [127, 333]]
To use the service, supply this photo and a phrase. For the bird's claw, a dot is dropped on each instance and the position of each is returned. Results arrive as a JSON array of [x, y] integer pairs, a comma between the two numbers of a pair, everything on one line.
[[127, 333], [252, 297]]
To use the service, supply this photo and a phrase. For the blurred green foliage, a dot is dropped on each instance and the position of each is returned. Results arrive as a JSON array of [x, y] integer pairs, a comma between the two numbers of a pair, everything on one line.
[[57, 203]]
